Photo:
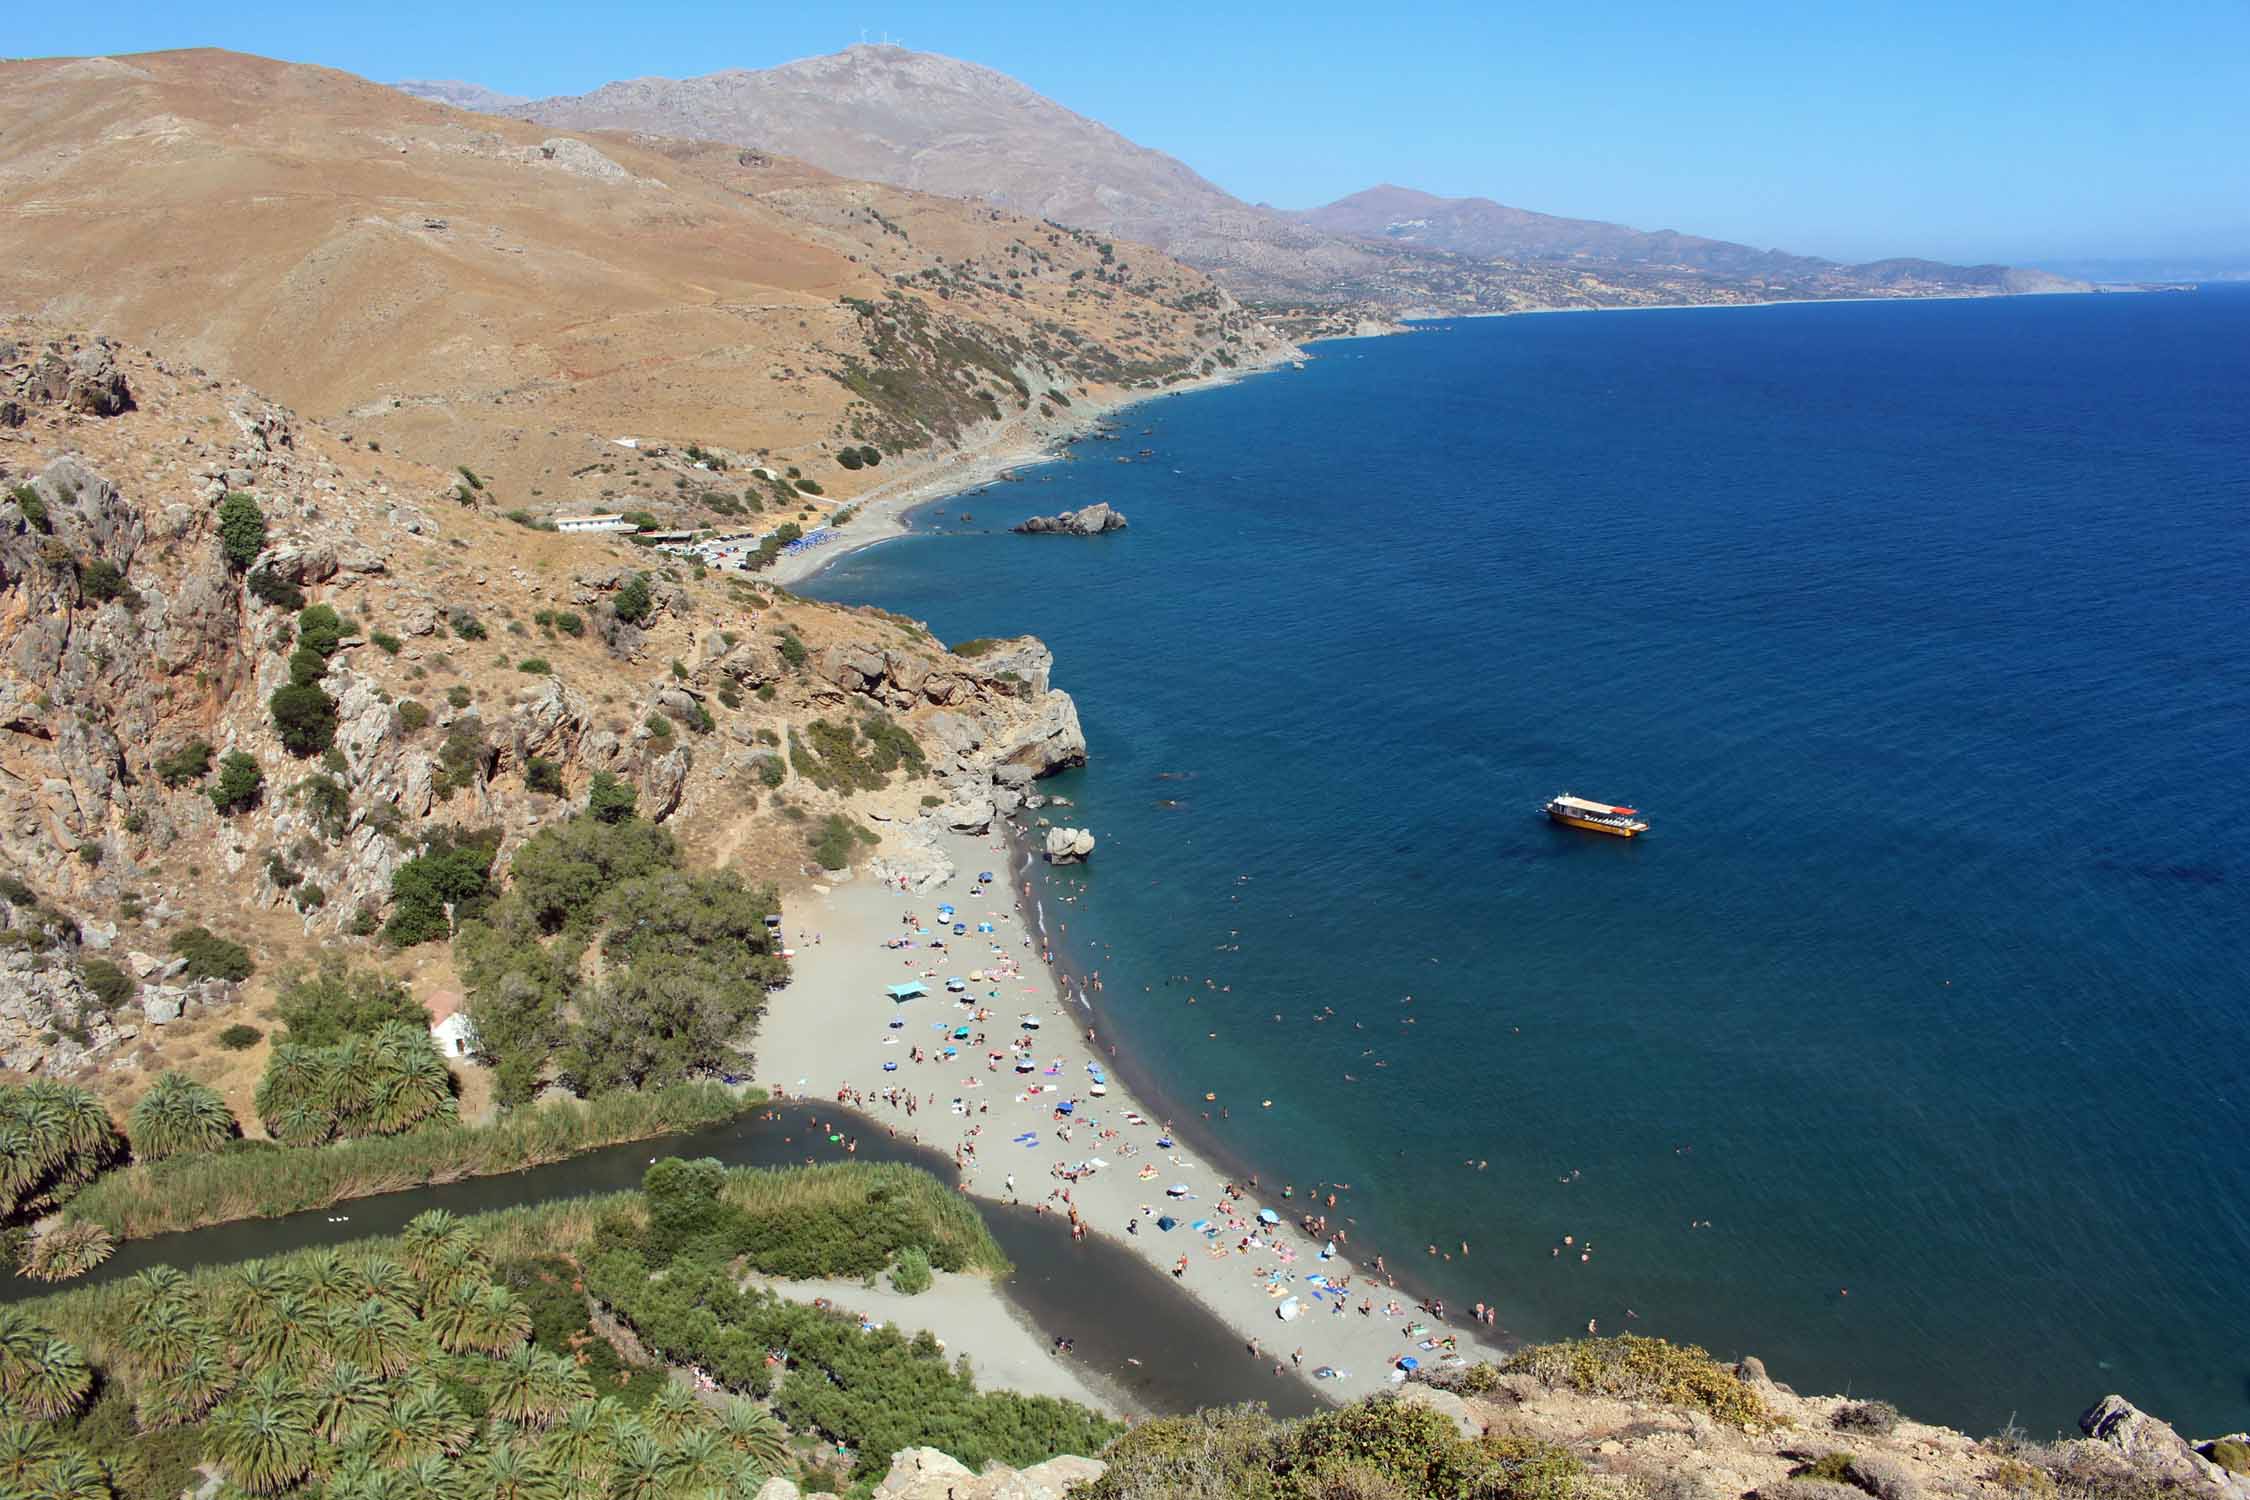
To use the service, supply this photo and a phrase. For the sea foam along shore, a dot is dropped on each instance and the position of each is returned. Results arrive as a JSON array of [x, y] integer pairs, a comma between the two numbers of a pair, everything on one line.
[[878, 514], [830, 1031]]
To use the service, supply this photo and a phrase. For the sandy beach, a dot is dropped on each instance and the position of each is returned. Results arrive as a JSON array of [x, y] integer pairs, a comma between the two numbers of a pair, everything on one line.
[[1032, 1113]]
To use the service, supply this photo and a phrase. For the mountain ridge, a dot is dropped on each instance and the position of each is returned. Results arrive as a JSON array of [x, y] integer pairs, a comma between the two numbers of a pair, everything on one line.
[[944, 125]]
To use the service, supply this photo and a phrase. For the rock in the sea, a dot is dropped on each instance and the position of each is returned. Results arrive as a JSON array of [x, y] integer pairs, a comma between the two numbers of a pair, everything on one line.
[[1067, 846], [1091, 521]]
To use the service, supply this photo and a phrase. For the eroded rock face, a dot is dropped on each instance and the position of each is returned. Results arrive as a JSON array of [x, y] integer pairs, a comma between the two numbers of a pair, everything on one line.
[[2154, 1448], [1093, 520], [927, 1474]]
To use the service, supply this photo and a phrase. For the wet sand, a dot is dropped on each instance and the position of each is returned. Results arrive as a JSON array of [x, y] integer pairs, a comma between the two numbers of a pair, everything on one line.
[[830, 1033]]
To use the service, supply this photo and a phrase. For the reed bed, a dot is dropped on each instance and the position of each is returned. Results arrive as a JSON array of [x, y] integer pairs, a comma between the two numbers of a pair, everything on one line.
[[192, 1192]]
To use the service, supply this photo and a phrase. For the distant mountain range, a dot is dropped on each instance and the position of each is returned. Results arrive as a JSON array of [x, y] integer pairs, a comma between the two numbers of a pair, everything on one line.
[[941, 125]]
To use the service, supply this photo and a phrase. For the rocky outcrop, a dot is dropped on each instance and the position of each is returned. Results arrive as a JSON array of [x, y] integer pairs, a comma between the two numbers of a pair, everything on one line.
[[927, 1474], [2153, 1448], [82, 379], [1093, 520], [1068, 846]]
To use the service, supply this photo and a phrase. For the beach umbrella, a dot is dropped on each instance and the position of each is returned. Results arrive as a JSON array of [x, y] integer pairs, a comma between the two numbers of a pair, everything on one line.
[[1167, 1223], [1409, 1362], [1178, 1190], [1288, 1309], [1267, 1215]]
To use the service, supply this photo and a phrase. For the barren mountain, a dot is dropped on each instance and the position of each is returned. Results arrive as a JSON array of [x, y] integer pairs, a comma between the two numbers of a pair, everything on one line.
[[461, 95], [472, 290], [947, 126], [1482, 229]]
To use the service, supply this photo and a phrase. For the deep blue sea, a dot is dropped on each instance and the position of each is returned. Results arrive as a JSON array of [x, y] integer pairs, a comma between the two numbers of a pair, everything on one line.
[[1921, 634]]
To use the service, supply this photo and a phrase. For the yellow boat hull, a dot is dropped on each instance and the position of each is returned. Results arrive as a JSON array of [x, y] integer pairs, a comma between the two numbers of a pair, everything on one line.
[[1593, 827]]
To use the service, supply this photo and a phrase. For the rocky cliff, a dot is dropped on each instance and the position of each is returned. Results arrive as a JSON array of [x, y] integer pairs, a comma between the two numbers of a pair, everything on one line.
[[478, 675]]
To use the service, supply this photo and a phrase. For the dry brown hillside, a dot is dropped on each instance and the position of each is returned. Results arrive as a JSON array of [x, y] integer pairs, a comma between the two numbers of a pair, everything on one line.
[[479, 291]]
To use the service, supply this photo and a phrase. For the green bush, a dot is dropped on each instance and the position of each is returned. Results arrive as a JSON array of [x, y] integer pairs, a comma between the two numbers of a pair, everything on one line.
[[242, 529], [870, 455], [1866, 1416], [792, 649], [413, 716], [272, 588], [610, 800], [241, 783], [322, 629], [2231, 1454], [102, 580], [1830, 1468], [322, 1006], [240, 1038], [910, 1273], [191, 762], [1638, 1368], [111, 985], [452, 872], [459, 696], [849, 458], [305, 718], [535, 665], [833, 841], [212, 957], [385, 642], [465, 624], [983, 645], [634, 603], [34, 508], [810, 487], [570, 623], [543, 775]]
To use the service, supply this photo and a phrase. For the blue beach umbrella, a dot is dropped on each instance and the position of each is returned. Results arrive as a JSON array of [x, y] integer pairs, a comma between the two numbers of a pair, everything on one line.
[[1167, 1223]]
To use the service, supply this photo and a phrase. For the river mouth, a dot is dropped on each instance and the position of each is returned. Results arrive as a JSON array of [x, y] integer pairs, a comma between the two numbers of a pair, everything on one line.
[[1155, 1350]]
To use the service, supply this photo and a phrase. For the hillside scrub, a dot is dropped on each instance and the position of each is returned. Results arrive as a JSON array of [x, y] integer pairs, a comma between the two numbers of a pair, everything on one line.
[[323, 1006], [685, 963], [253, 1180], [1638, 1368]]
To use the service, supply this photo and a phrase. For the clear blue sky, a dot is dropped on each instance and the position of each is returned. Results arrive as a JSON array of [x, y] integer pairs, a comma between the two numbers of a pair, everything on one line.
[[2021, 130]]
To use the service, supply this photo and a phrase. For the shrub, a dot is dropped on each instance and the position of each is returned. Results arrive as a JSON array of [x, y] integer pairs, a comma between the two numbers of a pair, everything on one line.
[[910, 1273], [459, 696], [385, 642], [870, 455], [2231, 1454], [329, 801], [570, 623], [242, 529], [413, 716], [1634, 1367], [452, 872], [465, 623], [212, 957], [240, 1038], [89, 853], [610, 800], [850, 459], [833, 840], [634, 603], [792, 649], [111, 985], [659, 727], [305, 717], [1878, 1417], [1833, 1468], [535, 665], [241, 782], [102, 580], [322, 629], [190, 762], [543, 775], [323, 1006], [34, 508], [810, 486], [272, 588], [983, 645]]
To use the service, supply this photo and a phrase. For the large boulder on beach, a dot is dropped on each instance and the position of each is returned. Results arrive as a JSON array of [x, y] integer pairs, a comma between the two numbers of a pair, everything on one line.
[[1067, 846], [1093, 520]]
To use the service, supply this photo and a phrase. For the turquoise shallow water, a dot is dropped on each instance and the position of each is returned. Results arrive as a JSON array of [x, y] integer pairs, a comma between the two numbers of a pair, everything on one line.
[[1918, 632]]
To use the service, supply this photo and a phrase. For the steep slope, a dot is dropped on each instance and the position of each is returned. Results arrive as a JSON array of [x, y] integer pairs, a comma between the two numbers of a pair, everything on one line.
[[481, 676], [947, 126], [473, 290]]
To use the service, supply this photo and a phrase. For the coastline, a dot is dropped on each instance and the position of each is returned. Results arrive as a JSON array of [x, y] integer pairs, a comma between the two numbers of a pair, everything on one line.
[[828, 1039], [879, 514]]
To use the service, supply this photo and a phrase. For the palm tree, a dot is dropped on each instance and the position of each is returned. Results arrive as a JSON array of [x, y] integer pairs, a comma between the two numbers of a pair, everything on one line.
[[262, 1438], [673, 1412], [513, 1389], [52, 1382], [294, 1075], [375, 1335], [755, 1433], [357, 1476], [70, 1475], [642, 1471], [563, 1383], [186, 1393], [513, 1471], [328, 1279], [455, 1270], [700, 1460], [177, 1116], [346, 1399], [144, 1289], [498, 1322], [432, 1478], [164, 1335], [20, 1340], [251, 1295], [381, 1276], [24, 1447], [425, 1235], [71, 1248], [288, 1338], [578, 1445], [423, 1423]]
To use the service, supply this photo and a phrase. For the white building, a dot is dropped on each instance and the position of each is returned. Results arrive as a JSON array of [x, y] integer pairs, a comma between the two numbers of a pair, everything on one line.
[[450, 1027], [610, 522]]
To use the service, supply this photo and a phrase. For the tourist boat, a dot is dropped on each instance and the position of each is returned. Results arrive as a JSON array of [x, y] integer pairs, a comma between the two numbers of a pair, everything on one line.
[[1596, 817]]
